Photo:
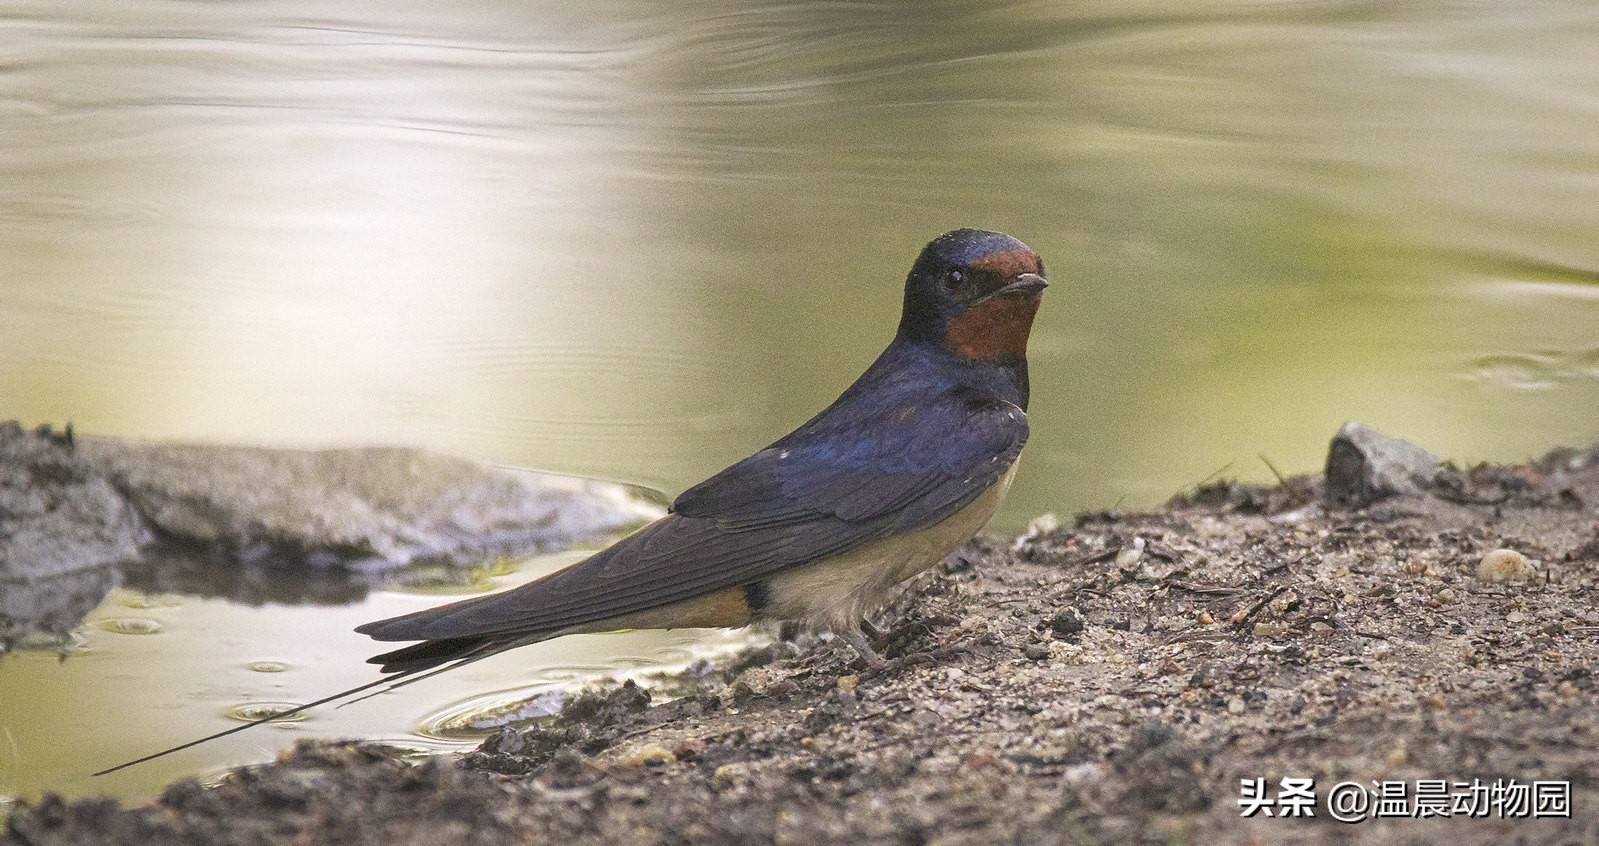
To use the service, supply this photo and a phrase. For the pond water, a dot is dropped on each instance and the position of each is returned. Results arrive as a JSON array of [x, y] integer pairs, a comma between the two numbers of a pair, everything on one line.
[[637, 241]]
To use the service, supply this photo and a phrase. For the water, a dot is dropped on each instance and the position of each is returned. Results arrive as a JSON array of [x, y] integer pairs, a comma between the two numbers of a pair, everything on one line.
[[639, 241], [147, 672]]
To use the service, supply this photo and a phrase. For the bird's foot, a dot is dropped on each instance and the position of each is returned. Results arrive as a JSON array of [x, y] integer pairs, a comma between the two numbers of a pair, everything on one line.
[[855, 638], [878, 636]]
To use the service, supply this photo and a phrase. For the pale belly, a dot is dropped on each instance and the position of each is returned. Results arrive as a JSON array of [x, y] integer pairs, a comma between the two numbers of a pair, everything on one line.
[[840, 591]]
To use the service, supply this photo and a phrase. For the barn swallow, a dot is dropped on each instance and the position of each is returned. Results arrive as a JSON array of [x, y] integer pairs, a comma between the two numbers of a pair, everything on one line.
[[819, 527]]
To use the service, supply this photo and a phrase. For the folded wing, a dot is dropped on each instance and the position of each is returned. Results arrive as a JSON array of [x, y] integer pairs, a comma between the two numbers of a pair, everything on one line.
[[846, 478]]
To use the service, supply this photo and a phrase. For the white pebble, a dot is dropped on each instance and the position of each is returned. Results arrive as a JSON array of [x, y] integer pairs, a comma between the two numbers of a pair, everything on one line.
[[1504, 565]]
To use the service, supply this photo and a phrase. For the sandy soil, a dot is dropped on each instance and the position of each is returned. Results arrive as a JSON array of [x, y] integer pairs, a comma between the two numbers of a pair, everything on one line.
[[1114, 680]]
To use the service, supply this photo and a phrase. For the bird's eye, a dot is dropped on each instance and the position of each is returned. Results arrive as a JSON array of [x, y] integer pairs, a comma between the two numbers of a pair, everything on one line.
[[953, 277]]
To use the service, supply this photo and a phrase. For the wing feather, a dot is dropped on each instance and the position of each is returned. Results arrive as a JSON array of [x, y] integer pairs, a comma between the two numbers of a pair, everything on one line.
[[840, 481]]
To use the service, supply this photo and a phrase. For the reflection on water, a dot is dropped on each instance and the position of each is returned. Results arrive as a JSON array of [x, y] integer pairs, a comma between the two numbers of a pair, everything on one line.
[[637, 242], [195, 666], [481, 716]]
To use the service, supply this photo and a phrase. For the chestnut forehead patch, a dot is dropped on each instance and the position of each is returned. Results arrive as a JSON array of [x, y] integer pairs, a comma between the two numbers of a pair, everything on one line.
[[1008, 263]]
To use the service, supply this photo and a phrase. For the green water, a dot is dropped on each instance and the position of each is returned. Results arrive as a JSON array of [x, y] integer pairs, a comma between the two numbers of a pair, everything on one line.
[[636, 241]]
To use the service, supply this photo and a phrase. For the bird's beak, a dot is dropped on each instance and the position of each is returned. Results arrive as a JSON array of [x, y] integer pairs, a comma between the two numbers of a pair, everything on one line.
[[1021, 283], [1024, 282]]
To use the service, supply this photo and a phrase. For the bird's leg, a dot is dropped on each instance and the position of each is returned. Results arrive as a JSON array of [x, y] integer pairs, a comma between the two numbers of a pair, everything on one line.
[[852, 636], [877, 635]]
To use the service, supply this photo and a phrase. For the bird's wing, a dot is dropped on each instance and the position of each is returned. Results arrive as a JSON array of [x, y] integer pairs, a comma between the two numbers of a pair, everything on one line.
[[904, 465], [848, 477]]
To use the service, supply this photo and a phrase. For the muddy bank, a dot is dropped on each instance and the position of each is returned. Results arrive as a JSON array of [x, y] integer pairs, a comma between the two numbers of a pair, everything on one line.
[[1108, 681]]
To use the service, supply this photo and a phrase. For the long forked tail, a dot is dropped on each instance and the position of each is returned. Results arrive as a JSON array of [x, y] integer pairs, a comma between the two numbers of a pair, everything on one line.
[[404, 666]]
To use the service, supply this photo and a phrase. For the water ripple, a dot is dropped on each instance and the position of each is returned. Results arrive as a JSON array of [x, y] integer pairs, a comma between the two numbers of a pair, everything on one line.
[[1536, 371]]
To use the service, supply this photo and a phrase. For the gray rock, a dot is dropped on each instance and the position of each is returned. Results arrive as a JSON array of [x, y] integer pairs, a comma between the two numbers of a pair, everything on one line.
[[63, 529], [1364, 465], [367, 508], [80, 515]]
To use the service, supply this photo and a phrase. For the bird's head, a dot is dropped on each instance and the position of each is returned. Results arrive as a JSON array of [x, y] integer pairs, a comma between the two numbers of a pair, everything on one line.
[[974, 293]]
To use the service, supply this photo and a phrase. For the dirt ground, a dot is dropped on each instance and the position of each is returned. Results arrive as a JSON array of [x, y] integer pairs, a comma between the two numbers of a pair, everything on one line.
[[1116, 680]]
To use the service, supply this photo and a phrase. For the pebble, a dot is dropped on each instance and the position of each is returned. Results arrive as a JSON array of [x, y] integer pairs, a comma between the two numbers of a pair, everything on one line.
[[1504, 565], [650, 754], [1040, 526], [1269, 629], [1364, 465], [1067, 623], [1130, 555]]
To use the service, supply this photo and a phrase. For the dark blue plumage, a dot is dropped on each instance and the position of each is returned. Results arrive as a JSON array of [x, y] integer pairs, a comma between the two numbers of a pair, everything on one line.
[[937, 420], [913, 441]]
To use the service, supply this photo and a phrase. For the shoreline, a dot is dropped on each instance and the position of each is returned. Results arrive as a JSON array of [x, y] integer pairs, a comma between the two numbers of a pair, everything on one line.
[[1121, 678]]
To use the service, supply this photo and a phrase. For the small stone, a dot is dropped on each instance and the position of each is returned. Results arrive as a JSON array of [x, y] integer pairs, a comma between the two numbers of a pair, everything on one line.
[[1037, 528], [507, 741], [1035, 651], [1067, 623], [1130, 555], [1236, 705], [1504, 565], [1364, 465], [1417, 567], [648, 755], [730, 774], [1515, 617], [1086, 773], [1269, 629], [1205, 619], [848, 682]]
